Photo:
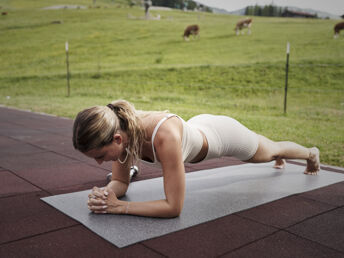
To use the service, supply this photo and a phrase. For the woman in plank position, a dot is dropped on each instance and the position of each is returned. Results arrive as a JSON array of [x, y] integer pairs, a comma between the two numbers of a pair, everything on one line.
[[119, 133]]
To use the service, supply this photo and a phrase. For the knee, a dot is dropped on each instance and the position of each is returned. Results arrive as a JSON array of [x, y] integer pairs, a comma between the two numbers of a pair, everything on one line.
[[267, 151], [262, 155]]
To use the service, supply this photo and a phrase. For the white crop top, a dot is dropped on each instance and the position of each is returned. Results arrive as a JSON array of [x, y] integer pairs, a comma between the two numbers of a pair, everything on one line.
[[192, 141]]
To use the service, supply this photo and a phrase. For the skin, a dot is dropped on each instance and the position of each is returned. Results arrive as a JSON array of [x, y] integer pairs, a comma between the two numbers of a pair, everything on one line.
[[168, 148], [167, 145]]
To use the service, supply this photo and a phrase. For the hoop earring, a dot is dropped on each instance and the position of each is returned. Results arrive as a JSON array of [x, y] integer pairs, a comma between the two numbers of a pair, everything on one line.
[[126, 157]]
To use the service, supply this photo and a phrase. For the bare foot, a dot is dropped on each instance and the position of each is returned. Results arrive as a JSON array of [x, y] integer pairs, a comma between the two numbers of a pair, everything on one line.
[[280, 163], [313, 162]]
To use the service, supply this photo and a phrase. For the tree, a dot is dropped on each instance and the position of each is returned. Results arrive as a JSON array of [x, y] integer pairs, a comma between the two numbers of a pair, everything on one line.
[[191, 5], [179, 4], [266, 10]]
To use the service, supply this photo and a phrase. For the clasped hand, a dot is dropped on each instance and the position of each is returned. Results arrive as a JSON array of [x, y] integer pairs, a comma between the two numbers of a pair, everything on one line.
[[103, 200]]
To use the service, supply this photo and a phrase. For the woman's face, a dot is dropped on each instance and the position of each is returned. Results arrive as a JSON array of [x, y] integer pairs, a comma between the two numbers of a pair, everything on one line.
[[110, 152]]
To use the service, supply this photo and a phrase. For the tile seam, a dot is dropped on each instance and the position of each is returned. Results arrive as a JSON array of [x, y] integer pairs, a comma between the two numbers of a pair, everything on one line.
[[52, 151], [24, 179], [259, 222], [152, 249], [249, 243], [313, 241], [322, 202], [21, 194], [283, 228], [37, 129], [311, 217], [39, 234]]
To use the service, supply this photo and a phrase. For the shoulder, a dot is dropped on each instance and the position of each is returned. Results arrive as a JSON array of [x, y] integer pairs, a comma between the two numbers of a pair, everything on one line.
[[168, 143], [170, 132]]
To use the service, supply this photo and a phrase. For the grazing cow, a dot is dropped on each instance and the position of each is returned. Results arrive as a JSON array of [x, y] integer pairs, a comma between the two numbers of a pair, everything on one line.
[[191, 30], [337, 28], [4, 13], [246, 23]]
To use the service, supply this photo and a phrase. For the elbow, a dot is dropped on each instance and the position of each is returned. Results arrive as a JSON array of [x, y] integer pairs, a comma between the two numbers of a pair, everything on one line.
[[174, 214], [175, 211]]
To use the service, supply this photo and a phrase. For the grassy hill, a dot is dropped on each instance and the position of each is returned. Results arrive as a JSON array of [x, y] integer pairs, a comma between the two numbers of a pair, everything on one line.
[[115, 53]]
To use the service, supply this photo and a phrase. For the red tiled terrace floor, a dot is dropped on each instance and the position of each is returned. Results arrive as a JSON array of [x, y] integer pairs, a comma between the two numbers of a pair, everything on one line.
[[37, 160]]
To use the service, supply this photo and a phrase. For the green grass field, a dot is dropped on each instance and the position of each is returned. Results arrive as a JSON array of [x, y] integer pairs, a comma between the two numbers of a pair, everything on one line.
[[148, 63]]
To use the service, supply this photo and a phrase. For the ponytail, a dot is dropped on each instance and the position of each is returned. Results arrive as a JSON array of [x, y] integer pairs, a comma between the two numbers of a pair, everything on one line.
[[94, 127], [130, 124]]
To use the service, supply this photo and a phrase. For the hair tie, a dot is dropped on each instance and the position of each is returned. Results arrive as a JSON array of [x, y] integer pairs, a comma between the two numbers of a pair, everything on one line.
[[122, 123], [111, 107]]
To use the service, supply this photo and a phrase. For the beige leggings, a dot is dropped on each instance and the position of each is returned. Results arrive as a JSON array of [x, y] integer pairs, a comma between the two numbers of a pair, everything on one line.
[[226, 136]]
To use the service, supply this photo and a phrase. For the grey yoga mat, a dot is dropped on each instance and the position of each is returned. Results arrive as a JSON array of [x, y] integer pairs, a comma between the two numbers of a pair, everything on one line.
[[210, 194]]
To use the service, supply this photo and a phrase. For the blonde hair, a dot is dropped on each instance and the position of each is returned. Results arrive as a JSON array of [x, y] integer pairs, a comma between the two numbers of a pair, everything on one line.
[[95, 127]]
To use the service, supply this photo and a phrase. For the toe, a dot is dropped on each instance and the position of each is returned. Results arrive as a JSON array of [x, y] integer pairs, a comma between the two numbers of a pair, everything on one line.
[[313, 173]]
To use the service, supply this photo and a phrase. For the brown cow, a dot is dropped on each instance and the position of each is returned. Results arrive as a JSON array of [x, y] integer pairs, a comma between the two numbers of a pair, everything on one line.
[[337, 28], [246, 23], [191, 30]]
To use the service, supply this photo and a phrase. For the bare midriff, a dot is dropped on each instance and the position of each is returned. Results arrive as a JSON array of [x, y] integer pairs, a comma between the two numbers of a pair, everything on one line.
[[203, 152]]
